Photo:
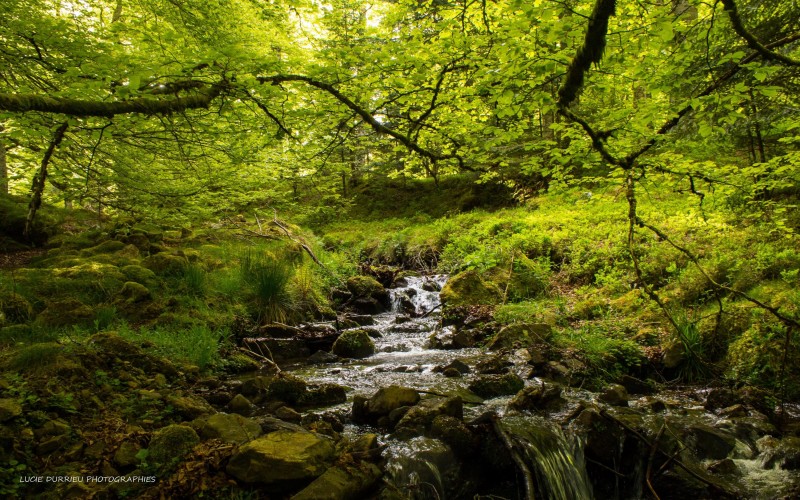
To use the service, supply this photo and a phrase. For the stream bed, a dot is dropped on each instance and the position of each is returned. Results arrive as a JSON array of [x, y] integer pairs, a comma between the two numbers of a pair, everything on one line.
[[577, 444]]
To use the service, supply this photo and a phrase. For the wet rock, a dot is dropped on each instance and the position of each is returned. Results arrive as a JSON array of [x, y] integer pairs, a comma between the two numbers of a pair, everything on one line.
[[451, 373], [537, 397], [496, 364], [786, 454], [282, 456], [431, 286], [707, 442], [354, 344], [458, 365], [735, 411], [724, 466], [287, 388], [359, 411], [418, 419], [635, 386], [491, 386], [390, 398], [322, 357], [615, 395], [452, 431], [9, 408], [720, 398], [171, 443], [324, 395], [468, 288], [603, 437], [361, 319], [241, 405], [520, 335], [341, 482], [278, 331], [654, 405], [231, 428], [271, 424], [288, 414]]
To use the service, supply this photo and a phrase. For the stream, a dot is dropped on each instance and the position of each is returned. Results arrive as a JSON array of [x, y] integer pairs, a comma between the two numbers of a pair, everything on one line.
[[573, 453]]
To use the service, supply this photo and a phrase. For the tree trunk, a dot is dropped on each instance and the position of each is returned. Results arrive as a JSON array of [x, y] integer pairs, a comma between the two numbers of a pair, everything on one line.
[[3, 164], [40, 177]]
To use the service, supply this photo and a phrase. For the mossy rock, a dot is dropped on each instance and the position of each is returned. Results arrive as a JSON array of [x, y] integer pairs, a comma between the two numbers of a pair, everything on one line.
[[170, 444], [364, 287], [287, 388], [15, 308], [109, 246], [64, 313], [492, 386], [282, 456], [231, 428], [140, 275], [15, 333], [93, 278], [342, 482], [469, 288], [354, 344], [153, 232], [133, 292], [139, 240], [165, 264]]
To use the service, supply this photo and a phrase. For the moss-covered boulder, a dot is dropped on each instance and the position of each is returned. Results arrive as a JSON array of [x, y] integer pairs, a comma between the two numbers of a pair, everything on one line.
[[282, 456], [164, 264], [65, 312], [469, 288], [133, 292], [364, 287], [520, 335], [15, 308], [108, 246], [171, 443], [231, 428], [191, 407], [354, 344], [418, 420]]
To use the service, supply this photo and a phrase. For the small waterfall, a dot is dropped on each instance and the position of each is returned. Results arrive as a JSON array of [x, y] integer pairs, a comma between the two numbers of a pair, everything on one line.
[[419, 294], [558, 464]]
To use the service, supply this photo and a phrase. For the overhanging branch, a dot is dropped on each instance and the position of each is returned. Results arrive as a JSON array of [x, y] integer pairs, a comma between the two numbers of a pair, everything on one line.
[[752, 41]]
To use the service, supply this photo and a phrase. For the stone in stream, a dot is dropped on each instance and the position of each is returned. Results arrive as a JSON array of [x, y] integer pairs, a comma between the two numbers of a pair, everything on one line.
[[390, 398], [785, 454], [496, 364], [354, 344], [707, 442], [615, 395], [492, 386], [322, 357], [241, 405], [537, 397], [282, 456], [418, 419]]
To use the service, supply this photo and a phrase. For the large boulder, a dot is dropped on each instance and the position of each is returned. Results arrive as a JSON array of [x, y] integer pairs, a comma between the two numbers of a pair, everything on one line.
[[520, 335], [537, 397], [468, 288], [165, 264], [707, 442], [282, 456], [418, 420], [231, 428], [354, 344]]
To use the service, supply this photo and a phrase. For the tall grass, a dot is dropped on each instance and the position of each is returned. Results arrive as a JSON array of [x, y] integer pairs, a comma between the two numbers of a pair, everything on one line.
[[198, 345], [266, 279]]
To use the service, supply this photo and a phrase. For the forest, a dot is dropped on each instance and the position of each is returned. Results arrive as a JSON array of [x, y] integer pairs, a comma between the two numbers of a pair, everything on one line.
[[400, 249]]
